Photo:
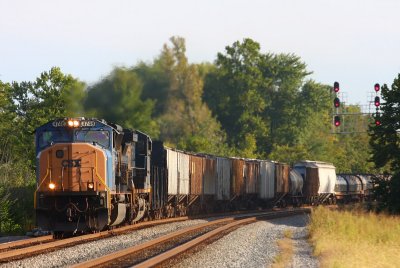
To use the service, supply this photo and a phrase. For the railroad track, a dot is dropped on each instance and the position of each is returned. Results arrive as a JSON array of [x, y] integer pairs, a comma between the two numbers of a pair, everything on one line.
[[30, 247], [167, 247], [25, 243]]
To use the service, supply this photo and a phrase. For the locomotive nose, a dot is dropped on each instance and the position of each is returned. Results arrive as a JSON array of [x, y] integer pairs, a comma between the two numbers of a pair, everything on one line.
[[72, 167]]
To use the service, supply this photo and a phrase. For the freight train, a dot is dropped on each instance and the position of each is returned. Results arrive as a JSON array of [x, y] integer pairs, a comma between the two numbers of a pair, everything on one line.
[[93, 175]]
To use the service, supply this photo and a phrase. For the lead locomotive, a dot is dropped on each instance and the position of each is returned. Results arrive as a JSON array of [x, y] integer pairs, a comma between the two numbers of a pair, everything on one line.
[[91, 175]]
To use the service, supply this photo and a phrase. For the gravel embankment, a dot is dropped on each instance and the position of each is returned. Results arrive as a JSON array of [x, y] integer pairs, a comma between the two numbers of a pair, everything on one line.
[[255, 245], [69, 256]]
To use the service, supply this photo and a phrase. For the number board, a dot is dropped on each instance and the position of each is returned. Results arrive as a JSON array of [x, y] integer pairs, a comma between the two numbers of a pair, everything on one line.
[[63, 123], [60, 123], [88, 123]]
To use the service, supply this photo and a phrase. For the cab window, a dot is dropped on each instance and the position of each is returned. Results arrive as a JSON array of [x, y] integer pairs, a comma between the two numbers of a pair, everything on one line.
[[101, 137], [46, 138]]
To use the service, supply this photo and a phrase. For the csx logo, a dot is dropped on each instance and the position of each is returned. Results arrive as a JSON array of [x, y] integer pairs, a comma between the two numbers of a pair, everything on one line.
[[71, 163]]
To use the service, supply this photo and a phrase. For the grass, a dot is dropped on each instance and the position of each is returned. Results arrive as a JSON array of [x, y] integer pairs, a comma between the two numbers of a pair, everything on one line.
[[284, 258], [355, 238]]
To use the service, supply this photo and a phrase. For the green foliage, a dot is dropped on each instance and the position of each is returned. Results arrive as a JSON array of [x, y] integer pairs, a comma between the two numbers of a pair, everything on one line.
[[116, 98], [385, 143], [185, 120], [31, 104], [7, 224], [256, 94], [385, 138]]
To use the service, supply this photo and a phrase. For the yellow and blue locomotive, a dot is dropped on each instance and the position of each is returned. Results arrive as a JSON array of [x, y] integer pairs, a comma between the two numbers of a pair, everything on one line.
[[91, 175]]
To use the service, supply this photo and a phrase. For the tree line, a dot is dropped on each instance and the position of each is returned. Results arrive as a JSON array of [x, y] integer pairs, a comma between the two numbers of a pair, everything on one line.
[[246, 103]]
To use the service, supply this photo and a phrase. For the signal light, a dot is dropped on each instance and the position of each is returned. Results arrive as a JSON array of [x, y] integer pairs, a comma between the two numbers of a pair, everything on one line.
[[377, 87], [336, 87], [377, 119], [336, 102], [337, 121], [377, 101]]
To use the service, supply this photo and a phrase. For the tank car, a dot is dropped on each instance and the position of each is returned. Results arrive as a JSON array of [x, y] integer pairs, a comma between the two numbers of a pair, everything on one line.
[[91, 175]]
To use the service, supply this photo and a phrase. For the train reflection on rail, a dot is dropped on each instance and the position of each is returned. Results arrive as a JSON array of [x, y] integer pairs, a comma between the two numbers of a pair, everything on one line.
[[93, 175]]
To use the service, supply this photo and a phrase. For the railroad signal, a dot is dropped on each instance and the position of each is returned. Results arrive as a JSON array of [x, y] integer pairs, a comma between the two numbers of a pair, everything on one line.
[[337, 121], [336, 87], [377, 87], [336, 102], [377, 101], [377, 119]]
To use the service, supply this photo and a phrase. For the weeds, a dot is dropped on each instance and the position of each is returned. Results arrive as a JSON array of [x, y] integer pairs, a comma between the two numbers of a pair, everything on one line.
[[355, 238], [284, 258]]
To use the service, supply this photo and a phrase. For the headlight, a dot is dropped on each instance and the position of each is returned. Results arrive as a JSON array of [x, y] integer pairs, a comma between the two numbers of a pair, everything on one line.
[[52, 186], [73, 123], [90, 185]]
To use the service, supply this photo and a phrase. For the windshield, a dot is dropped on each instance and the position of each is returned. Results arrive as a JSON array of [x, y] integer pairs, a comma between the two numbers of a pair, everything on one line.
[[101, 137], [46, 138]]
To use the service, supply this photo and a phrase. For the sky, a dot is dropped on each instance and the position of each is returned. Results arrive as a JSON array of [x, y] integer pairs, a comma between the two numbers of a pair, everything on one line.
[[354, 42]]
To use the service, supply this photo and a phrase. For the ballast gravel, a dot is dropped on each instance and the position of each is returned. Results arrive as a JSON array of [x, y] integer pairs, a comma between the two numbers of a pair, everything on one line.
[[255, 245], [80, 253]]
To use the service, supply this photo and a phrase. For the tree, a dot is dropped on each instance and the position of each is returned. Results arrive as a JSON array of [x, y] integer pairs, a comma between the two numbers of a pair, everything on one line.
[[385, 143], [254, 94], [116, 99], [385, 138], [177, 86], [32, 104]]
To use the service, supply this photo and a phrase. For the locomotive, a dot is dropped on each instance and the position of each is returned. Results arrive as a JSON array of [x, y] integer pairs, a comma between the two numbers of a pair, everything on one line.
[[93, 175], [90, 175]]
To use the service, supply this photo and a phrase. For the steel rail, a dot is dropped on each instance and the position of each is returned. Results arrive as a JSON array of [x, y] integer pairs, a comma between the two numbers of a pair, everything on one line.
[[24, 242], [36, 249], [141, 247]]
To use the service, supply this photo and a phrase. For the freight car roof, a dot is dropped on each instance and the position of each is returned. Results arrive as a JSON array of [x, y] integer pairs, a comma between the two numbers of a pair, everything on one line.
[[314, 164]]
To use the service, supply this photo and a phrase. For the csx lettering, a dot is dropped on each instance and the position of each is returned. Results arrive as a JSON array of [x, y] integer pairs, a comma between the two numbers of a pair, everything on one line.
[[71, 163]]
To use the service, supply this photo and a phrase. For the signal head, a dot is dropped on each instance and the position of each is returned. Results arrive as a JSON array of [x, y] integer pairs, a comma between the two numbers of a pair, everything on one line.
[[377, 101], [377, 122], [336, 87], [337, 121], [336, 102], [377, 87]]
